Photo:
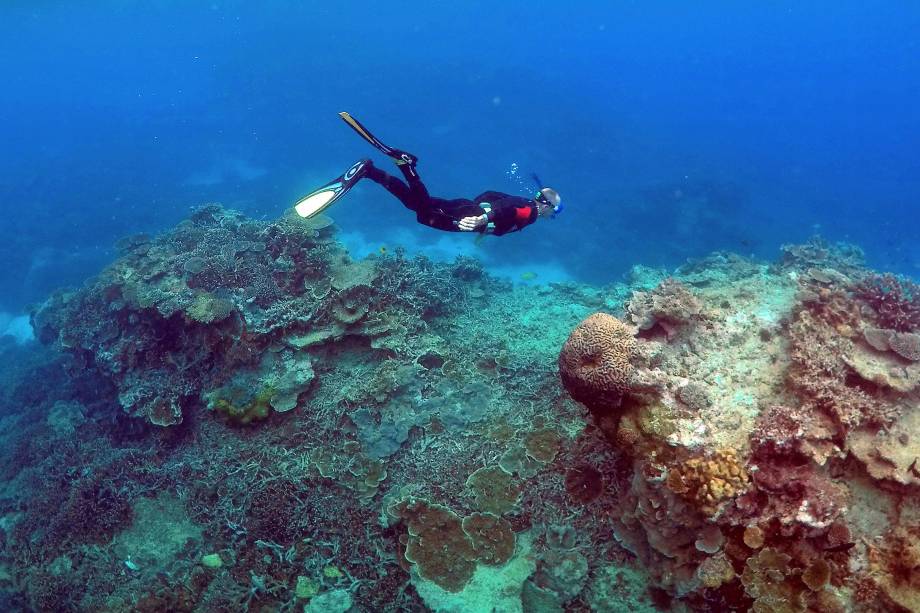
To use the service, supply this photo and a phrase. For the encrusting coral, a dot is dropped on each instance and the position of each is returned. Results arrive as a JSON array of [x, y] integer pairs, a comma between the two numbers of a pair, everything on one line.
[[445, 548]]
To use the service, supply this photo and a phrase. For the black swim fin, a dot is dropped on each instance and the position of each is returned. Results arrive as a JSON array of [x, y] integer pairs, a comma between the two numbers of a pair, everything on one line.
[[399, 156], [321, 199]]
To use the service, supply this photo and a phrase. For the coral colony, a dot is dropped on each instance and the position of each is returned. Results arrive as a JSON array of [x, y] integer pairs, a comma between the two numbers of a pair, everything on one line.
[[236, 416]]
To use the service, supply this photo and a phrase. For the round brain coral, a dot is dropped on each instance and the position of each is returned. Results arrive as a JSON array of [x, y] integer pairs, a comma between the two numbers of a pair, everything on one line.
[[595, 361]]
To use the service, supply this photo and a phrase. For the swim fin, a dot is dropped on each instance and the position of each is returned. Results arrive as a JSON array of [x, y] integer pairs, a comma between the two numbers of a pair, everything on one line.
[[400, 157], [321, 199]]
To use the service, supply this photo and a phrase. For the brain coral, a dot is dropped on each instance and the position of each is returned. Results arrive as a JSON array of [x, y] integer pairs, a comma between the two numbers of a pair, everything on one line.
[[595, 361]]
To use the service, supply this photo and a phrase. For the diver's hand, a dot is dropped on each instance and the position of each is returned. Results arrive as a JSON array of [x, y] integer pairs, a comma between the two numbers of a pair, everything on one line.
[[468, 224]]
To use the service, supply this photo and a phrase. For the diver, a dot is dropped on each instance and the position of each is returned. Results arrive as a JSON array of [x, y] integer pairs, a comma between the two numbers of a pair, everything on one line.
[[490, 212]]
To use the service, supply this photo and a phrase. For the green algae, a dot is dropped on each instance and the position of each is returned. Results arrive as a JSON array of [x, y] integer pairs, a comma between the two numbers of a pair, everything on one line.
[[243, 407]]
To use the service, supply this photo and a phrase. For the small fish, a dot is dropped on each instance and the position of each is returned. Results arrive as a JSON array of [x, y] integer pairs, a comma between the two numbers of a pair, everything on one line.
[[383, 250], [528, 276]]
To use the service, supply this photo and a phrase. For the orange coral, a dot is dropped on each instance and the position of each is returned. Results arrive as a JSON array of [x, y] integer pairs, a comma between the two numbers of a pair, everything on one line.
[[595, 361], [715, 571], [753, 537], [709, 480]]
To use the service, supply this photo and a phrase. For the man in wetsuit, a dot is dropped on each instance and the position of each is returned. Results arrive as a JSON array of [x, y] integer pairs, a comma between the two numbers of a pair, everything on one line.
[[489, 213]]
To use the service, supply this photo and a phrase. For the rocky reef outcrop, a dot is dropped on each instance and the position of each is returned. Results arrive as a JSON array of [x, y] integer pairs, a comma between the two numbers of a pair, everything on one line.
[[776, 457]]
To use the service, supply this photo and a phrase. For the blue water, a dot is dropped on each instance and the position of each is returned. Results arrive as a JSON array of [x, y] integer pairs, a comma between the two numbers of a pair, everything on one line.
[[671, 129]]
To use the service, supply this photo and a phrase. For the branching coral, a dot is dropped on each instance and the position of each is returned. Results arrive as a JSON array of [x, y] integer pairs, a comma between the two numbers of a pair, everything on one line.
[[819, 253], [184, 311], [787, 448], [273, 513], [93, 512], [896, 301], [819, 373]]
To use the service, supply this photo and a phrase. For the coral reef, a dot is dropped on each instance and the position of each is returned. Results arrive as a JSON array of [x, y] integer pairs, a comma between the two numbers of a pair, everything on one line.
[[237, 416]]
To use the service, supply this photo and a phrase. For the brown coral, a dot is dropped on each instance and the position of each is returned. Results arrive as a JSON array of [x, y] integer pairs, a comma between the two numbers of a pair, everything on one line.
[[753, 537], [895, 300], [906, 345], [767, 578], [817, 575], [445, 548], [543, 444], [437, 545], [595, 361], [895, 566], [491, 537], [892, 454], [715, 571], [494, 489]]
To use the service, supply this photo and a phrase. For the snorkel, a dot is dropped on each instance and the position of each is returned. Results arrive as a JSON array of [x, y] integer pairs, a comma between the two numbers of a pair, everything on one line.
[[547, 196]]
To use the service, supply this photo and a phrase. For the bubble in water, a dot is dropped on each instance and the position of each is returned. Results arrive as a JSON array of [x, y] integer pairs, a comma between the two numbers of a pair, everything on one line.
[[515, 175]]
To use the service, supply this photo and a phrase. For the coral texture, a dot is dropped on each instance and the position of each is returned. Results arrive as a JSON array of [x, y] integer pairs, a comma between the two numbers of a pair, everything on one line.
[[595, 361]]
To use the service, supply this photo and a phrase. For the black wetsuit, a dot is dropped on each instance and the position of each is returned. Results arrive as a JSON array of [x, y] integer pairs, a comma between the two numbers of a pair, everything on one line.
[[506, 213]]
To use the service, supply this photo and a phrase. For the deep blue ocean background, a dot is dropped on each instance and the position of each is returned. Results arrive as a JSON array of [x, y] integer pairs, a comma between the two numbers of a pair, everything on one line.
[[671, 129]]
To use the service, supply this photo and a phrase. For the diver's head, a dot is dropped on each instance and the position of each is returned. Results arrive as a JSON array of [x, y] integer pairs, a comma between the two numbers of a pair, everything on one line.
[[549, 202]]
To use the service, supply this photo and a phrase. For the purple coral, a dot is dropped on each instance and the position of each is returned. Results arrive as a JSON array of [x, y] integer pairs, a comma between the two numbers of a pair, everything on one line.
[[895, 300]]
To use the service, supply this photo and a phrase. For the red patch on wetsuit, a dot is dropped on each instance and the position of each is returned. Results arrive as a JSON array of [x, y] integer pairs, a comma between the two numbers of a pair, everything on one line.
[[522, 215]]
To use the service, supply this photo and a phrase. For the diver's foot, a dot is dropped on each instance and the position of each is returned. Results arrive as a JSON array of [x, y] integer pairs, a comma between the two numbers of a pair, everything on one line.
[[403, 158]]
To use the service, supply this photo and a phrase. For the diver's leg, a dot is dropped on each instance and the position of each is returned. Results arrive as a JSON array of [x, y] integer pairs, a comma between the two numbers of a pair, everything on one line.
[[420, 194], [413, 196]]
